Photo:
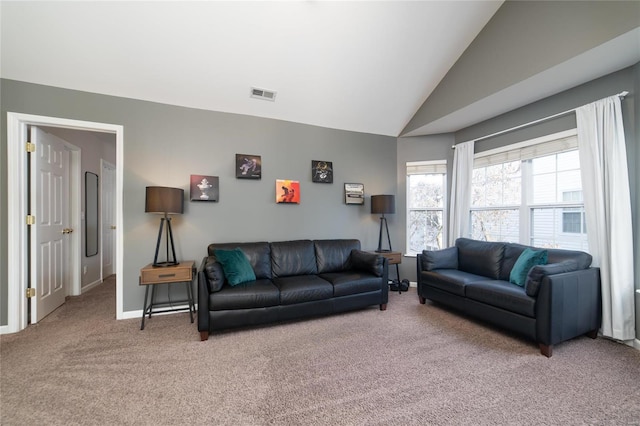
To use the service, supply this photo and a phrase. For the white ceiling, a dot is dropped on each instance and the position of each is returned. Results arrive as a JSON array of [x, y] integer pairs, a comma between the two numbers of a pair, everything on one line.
[[360, 66]]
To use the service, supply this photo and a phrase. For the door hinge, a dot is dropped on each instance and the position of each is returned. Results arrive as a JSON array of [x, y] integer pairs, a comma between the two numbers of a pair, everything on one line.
[[31, 147], [31, 219], [31, 292]]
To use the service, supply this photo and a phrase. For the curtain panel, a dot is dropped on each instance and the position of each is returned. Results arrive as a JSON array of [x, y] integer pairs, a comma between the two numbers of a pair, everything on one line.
[[461, 191], [605, 183]]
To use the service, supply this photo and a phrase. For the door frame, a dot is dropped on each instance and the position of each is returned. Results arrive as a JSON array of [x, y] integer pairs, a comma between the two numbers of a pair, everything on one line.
[[17, 185]]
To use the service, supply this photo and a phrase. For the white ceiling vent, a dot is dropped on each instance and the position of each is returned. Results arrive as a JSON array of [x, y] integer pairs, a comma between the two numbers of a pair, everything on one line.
[[267, 95]]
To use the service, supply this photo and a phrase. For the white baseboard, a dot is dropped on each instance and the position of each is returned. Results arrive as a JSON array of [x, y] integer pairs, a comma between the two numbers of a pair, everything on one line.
[[89, 286], [138, 314], [636, 343]]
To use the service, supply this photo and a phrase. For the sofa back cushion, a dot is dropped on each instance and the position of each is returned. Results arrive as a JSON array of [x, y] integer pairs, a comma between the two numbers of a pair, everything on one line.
[[259, 255], [480, 257], [440, 259], [293, 258], [334, 255]]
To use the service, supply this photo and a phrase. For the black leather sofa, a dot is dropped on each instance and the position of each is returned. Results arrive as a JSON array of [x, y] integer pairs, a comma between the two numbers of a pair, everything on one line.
[[294, 279], [559, 301]]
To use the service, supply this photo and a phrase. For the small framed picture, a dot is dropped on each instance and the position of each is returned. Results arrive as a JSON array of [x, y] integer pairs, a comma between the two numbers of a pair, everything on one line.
[[204, 188], [287, 191], [248, 166], [321, 171], [353, 193]]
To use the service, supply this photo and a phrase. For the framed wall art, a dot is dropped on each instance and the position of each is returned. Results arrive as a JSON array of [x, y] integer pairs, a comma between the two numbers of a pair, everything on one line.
[[248, 166], [204, 188], [287, 191], [353, 193], [322, 171]]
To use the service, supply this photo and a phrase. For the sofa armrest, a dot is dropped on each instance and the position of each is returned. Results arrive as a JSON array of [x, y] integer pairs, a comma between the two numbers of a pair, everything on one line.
[[203, 297], [369, 262], [538, 272], [568, 305]]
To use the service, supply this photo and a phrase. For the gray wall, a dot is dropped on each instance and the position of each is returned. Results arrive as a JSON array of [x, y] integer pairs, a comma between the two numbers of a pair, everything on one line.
[[524, 39], [164, 145], [628, 79]]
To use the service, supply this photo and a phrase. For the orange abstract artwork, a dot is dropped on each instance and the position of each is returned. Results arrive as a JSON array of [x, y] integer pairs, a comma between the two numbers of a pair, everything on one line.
[[287, 191]]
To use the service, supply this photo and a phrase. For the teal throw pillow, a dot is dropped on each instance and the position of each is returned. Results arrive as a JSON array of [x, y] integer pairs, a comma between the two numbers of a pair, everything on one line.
[[235, 265], [527, 260]]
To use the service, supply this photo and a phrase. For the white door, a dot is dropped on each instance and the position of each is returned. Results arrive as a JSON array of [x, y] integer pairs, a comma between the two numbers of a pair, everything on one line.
[[49, 166], [107, 190]]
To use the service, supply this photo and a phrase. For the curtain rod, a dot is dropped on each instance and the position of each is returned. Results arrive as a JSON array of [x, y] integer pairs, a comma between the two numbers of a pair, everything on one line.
[[531, 123]]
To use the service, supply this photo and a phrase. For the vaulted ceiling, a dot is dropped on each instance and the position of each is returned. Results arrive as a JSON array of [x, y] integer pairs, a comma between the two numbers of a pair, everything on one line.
[[365, 66]]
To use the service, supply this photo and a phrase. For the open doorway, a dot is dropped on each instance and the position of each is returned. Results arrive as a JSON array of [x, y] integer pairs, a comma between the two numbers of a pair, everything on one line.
[[18, 209]]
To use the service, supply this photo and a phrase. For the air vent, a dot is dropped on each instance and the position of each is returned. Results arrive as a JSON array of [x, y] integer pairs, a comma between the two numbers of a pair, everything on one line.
[[267, 95]]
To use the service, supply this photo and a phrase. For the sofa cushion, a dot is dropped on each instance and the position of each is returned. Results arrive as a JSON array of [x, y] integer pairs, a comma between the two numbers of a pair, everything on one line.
[[512, 252], [440, 259], [537, 274], [303, 288], [450, 280], [259, 255], [235, 265], [527, 260], [504, 295], [480, 257], [334, 255], [367, 262], [351, 282], [290, 258], [256, 294]]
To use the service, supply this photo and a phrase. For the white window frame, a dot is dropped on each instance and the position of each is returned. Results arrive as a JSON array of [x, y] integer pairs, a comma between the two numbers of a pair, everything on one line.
[[547, 145], [423, 168]]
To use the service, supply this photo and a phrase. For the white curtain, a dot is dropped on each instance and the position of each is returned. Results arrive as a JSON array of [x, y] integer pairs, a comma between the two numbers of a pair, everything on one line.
[[605, 183], [460, 192]]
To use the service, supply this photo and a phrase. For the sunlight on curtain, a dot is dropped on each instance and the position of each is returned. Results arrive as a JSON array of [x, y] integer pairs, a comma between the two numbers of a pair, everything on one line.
[[605, 183], [461, 192]]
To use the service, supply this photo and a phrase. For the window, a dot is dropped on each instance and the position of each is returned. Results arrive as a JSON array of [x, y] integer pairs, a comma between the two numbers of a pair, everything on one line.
[[426, 189], [530, 193]]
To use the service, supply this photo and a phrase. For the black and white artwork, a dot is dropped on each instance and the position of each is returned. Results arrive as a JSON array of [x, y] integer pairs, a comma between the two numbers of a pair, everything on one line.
[[353, 193], [321, 171], [248, 166], [204, 188]]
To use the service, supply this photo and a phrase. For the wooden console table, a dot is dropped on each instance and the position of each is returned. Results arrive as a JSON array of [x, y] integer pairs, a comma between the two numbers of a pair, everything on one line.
[[150, 275]]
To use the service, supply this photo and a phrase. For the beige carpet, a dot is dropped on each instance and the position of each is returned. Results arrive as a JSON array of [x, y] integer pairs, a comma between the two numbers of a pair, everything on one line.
[[412, 364]]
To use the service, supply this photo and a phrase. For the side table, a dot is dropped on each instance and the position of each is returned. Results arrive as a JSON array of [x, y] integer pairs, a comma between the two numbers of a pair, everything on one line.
[[150, 276]]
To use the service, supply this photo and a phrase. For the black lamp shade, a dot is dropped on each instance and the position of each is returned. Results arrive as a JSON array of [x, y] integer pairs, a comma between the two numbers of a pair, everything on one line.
[[162, 199], [383, 204]]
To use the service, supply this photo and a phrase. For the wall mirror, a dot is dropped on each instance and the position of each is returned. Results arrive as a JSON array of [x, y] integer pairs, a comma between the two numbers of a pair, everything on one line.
[[91, 214]]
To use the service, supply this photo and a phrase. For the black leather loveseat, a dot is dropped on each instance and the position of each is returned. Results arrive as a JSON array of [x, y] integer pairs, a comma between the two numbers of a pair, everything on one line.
[[293, 279], [556, 301]]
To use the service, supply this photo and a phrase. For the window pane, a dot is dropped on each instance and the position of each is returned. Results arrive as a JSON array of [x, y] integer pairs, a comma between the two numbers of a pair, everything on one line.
[[558, 227], [554, 175], [426, 191], [425, 230], [496, 185], [495, 225]]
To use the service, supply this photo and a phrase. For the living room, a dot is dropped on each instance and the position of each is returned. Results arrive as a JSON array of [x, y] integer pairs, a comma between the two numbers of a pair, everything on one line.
[[164, 144]]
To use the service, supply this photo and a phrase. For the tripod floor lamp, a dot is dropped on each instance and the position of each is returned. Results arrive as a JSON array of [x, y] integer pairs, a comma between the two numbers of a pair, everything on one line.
[[383, 204], [166, 201]]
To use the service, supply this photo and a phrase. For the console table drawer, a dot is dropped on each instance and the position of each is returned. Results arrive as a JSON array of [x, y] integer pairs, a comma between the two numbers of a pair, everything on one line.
[[172, 274]]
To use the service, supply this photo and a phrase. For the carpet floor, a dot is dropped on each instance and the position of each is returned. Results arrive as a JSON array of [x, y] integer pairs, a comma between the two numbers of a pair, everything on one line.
[[409, 365]]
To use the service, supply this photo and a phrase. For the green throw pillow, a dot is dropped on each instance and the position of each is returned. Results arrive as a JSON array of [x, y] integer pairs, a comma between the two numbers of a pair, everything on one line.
[[235, 265], [527, 260]]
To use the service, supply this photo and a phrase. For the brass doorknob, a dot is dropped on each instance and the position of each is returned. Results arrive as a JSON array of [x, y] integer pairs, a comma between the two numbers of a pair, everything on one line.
[[113, 227], [67, 230]]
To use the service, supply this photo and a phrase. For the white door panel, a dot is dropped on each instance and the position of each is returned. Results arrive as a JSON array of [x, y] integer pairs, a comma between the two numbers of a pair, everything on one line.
[[50, 205]]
